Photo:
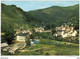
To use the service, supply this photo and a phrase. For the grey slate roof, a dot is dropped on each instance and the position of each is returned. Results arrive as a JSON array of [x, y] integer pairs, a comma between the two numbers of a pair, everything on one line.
[[22, 34]]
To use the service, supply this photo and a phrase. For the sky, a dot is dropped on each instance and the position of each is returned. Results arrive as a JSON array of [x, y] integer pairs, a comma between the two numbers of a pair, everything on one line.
[[33, 5]]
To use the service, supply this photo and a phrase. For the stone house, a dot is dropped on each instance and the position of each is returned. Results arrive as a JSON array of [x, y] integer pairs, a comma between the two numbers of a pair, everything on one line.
[[21, 37], [4, 45], [29, 31], [21, 34], [65, 31], [40, 29]]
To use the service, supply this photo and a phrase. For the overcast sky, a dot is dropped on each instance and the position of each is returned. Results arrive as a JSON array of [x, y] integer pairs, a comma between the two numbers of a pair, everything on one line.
[[32, 5]]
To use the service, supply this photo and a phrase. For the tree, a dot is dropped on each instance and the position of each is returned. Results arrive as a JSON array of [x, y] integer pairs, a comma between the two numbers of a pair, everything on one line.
[[32, 36], [2, 39], [47, 26], [9, 34], [53, 29], [28, 42]]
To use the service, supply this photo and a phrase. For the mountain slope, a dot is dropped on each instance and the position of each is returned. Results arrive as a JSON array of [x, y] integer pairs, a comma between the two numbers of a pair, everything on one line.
[[56, 15], [12, 14], [15, 16]]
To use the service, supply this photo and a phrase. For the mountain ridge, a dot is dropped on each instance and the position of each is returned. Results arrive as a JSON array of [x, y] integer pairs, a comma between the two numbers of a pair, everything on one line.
[[56, 15]]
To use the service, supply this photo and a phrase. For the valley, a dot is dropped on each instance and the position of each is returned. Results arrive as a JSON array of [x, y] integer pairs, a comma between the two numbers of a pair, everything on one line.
[[48, 31]]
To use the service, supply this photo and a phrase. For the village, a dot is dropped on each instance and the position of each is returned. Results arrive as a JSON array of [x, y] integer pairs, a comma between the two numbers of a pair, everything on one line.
[[65, 31], [21, 35]]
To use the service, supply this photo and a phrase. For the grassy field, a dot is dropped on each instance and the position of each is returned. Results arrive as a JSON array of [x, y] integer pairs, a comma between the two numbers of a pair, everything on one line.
[[50, 47]]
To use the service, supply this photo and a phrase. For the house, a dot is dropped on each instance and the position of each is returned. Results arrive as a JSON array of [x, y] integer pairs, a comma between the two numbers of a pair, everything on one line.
[[4, 45], [40, 29], [6, 48], [13, 49], [29, 31], [21, 29], [17, 31], [21, 37], [65, 31], [21, 34]]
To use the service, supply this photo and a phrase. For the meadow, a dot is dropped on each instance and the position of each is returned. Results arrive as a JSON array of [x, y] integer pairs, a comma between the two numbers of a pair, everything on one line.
[[50, 47]]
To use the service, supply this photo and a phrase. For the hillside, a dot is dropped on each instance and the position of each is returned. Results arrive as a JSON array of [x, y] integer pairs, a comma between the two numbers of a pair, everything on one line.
[[15, 16], [57, 15], [34, 32], [12, 15]]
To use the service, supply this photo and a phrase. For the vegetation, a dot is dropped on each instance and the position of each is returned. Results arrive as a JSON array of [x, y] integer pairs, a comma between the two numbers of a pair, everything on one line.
[[41, 35], [50, 47], [57, 15], [28, 42], [5, 53], [69, 39], [44, 17], [16, 17], [13, 17], [9, 34]]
